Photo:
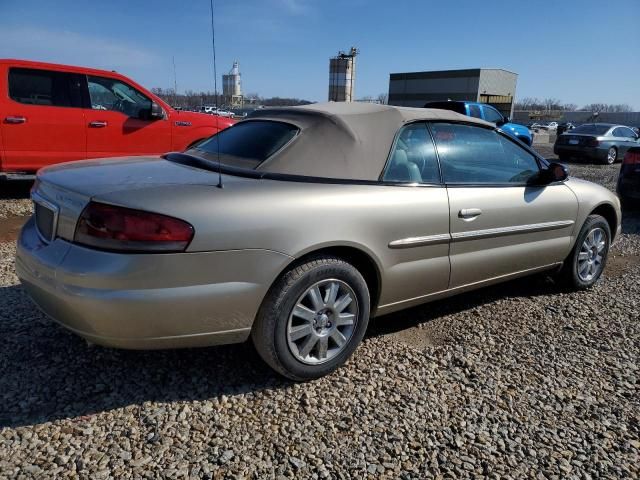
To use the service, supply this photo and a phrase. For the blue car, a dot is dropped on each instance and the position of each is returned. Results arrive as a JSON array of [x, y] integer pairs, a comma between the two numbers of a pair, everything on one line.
[[488, 113]]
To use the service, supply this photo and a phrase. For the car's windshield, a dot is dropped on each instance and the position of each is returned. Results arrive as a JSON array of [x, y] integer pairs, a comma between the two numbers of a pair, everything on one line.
[[247, 144], [591, 128]]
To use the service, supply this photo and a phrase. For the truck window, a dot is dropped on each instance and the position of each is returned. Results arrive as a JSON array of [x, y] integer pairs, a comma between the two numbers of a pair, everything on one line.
[[44, 87], [111, 94]]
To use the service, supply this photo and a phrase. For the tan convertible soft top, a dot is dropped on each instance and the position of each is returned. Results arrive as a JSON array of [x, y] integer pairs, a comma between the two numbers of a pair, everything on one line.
[[344, 140]]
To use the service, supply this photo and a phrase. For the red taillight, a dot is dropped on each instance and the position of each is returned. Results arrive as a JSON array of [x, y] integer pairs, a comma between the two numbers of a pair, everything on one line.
[[593, 142], [631, 158], [108, 227]]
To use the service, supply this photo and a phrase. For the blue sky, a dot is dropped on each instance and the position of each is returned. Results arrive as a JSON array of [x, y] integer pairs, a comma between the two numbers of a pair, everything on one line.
[[580, 51]]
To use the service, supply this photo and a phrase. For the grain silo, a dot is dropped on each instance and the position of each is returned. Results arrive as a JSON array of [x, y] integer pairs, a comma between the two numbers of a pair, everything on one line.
[[232, 86], [342, 74]]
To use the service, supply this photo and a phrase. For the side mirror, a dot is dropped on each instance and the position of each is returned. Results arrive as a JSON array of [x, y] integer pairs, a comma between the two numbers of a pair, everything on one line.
[[156, 111], [556, 172], [503, 121]]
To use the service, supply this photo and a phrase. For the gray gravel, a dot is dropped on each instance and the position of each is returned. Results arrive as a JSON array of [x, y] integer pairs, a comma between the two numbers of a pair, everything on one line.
[[520, 380]]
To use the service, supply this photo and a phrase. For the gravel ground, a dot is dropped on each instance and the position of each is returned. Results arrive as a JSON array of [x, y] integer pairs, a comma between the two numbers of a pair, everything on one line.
[[520, 380]]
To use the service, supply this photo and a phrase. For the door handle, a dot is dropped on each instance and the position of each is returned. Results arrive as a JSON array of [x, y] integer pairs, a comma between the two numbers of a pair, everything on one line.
[[469, 213], [15, 120], [98, 124]]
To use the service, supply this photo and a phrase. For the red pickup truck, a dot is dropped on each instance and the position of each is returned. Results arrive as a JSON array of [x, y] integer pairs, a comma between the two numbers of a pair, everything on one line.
[[56, 113]]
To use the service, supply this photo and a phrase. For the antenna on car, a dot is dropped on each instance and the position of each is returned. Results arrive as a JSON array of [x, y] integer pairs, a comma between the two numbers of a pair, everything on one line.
[[215, 87]]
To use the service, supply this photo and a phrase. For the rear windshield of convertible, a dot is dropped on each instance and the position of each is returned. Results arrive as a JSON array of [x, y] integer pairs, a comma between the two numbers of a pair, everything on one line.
[[249, 143]]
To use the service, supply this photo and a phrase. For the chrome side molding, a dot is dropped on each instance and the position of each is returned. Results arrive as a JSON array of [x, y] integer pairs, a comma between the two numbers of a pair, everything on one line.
[[498, 232], [420, 241], [411, 242]]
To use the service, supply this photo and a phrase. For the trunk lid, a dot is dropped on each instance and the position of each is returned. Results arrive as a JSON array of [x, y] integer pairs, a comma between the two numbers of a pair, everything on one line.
[[96, 177], [62, 191]]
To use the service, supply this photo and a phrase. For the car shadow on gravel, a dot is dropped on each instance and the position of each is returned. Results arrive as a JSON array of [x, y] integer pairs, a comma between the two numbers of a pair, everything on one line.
[[49, 373], [15, 189], [427, 314]]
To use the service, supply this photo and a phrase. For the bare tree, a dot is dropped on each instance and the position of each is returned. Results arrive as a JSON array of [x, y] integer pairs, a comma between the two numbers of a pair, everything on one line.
[[383, 98], [192, 99], [606, 107]]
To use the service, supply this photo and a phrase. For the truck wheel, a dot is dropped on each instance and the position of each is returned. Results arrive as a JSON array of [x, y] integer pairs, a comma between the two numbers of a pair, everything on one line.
[[313, 318]]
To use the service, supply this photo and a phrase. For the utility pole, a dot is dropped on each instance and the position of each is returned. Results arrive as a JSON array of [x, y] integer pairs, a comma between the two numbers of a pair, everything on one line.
[[175, 82]]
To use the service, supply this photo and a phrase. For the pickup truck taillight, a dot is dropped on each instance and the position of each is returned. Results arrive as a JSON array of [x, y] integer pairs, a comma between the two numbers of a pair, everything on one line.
[[108, 227], [631, 158]]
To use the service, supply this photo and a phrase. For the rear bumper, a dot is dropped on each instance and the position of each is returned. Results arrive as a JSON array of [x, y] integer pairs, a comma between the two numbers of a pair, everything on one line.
[[593, 153], [147, 301]]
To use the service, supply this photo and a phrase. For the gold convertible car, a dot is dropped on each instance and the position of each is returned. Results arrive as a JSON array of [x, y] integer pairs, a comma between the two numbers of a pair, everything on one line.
[[296, 225]]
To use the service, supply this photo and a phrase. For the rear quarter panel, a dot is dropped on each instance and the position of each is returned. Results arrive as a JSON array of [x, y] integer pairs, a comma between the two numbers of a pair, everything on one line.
[[297, 218]]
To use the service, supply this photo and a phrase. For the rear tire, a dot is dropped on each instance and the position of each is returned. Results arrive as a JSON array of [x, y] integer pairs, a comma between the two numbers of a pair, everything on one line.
[[584, 265], [303, 330]]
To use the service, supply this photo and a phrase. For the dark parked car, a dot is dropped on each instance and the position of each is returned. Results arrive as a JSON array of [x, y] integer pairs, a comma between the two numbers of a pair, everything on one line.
[[603, 142], [629, 178]]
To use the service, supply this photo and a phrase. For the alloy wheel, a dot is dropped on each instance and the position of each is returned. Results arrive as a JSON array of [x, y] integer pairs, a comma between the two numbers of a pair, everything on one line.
[[591, 255], [612, 154], [322, 321]]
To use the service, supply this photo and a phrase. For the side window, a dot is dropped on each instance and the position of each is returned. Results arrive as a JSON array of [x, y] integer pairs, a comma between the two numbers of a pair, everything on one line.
[[491, 114], [43, 87], [627, 132], [618, 132], [474, 111], [413, 158], [475, 155], [112, 94]]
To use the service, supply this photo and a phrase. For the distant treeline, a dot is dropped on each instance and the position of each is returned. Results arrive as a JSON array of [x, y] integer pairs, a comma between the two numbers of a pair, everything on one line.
[[194, 99], [554, 104]]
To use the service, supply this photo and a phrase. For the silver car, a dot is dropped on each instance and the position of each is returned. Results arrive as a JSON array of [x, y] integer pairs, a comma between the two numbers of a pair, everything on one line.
[[296, 225]]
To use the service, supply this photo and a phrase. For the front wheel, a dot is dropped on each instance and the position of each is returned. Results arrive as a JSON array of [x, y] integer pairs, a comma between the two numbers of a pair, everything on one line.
[[612, 156], [586, 262], [313, 318]]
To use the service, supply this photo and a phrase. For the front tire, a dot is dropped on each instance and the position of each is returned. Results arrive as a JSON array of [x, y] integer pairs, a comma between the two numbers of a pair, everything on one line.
[[585, 264], [312, 318]]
